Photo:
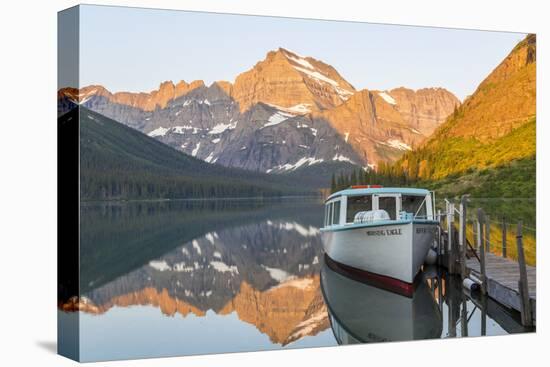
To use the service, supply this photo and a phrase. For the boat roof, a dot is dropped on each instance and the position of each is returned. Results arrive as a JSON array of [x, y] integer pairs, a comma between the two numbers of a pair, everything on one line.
[[380, 190]]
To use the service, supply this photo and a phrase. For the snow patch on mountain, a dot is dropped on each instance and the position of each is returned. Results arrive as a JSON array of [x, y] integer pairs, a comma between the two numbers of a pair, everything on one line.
[[307, 327], [224, 268], [277, 274], [221, 127], [209, 237], [197, 247], [160, 265], [181, 129], [293, 226], [397, 144], [387, 98], [196, 150], [319, 77], [210, 158], [299, 109], [304, 283], [341, 158], [181, 267], [300, 60], [277, 118], [160, 131], [308, 161], [314, 74]]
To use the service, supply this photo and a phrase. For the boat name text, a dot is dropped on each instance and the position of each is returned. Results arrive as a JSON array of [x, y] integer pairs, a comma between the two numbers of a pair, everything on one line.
[[385, 232]]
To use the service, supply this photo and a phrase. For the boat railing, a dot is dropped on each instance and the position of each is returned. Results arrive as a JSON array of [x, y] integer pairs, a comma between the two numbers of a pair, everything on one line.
[[420, 207]]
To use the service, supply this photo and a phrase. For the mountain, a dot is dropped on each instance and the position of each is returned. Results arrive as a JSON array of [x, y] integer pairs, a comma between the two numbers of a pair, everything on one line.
[[424, 109], [287, 113], [382, 125], [290, 81], [158, 98], [493, 127], [117, 162]]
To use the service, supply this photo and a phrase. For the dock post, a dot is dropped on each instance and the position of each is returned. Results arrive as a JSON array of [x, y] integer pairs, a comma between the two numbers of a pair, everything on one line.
[[523, 285], [475, 231], [483, 315], [487, 233], [450, 243], [464, 316], [481, 247], [439, 242], [503, 237], [462, 236]]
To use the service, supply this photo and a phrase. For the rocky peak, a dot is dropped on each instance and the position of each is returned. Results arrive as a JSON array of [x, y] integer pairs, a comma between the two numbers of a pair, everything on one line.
[[424, 109], [182, 88], [158, 98], [287, 112], [226, 86], [288, 80], [504, 101], [372, 125]]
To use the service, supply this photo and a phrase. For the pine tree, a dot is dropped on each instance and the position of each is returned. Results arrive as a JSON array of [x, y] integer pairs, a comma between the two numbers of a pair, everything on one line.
[[333, 183], [353, 178]]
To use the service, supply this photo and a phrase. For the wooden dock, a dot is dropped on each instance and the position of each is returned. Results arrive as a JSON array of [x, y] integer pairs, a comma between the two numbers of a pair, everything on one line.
[[502, 276], [509, 282]]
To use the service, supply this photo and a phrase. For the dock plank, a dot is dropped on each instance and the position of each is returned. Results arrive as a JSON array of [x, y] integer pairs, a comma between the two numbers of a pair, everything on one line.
[[502, 280]]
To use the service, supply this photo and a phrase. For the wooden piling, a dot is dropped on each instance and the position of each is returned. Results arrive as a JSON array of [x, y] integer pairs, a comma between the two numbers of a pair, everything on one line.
[[451, 243], [523, 285], [503, 237], [487, 234], [464, 316], [440, 239], [484, 315], [481, 247], [462, 236]]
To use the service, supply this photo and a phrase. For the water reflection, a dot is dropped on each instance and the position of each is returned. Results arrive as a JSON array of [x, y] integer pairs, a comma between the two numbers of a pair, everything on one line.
[[256, 262], [363, 313], [266, 272], [196, 277], [438, 308]]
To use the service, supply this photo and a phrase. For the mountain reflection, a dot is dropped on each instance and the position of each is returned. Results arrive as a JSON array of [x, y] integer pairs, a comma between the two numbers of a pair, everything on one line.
[[263, 266], [188, 276]]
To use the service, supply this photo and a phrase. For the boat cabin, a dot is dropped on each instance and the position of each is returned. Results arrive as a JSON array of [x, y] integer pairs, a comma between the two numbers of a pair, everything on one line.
[[369, 204]]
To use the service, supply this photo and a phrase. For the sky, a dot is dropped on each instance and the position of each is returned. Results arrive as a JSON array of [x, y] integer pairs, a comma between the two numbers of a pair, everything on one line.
[[135, 49]]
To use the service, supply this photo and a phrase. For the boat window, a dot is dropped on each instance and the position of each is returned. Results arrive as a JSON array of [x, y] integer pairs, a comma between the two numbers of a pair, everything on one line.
[[336, 213], [329, 218], [388, 203], [326, 214], [357, 204], [415, 205]]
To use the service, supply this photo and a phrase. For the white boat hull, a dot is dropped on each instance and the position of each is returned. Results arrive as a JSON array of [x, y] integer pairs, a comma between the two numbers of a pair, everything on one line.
[[392, 250]]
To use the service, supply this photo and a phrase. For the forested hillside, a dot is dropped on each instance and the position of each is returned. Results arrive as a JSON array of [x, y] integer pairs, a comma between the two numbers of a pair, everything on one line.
[[117, 162], [493, 127]]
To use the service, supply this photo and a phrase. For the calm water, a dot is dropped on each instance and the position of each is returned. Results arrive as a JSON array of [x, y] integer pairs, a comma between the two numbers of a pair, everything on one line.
[[196, 277]]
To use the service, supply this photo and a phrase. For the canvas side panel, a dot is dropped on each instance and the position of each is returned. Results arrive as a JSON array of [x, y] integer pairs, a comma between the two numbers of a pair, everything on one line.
[[68, 192]]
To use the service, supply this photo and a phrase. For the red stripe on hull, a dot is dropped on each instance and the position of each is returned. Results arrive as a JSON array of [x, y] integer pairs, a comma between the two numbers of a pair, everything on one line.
[[380, 281]]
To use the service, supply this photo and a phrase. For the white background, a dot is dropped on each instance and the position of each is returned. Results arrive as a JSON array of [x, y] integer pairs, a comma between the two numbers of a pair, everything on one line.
[[28, 180]]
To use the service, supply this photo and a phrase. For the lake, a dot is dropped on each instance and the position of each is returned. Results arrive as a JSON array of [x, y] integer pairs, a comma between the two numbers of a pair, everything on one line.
[[168, 278]]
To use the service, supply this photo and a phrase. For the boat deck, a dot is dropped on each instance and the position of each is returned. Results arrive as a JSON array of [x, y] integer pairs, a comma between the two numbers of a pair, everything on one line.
[[502, 280]]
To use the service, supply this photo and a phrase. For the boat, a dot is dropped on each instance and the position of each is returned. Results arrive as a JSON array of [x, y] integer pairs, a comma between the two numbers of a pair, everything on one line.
[[360, 312], [385, 233]]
